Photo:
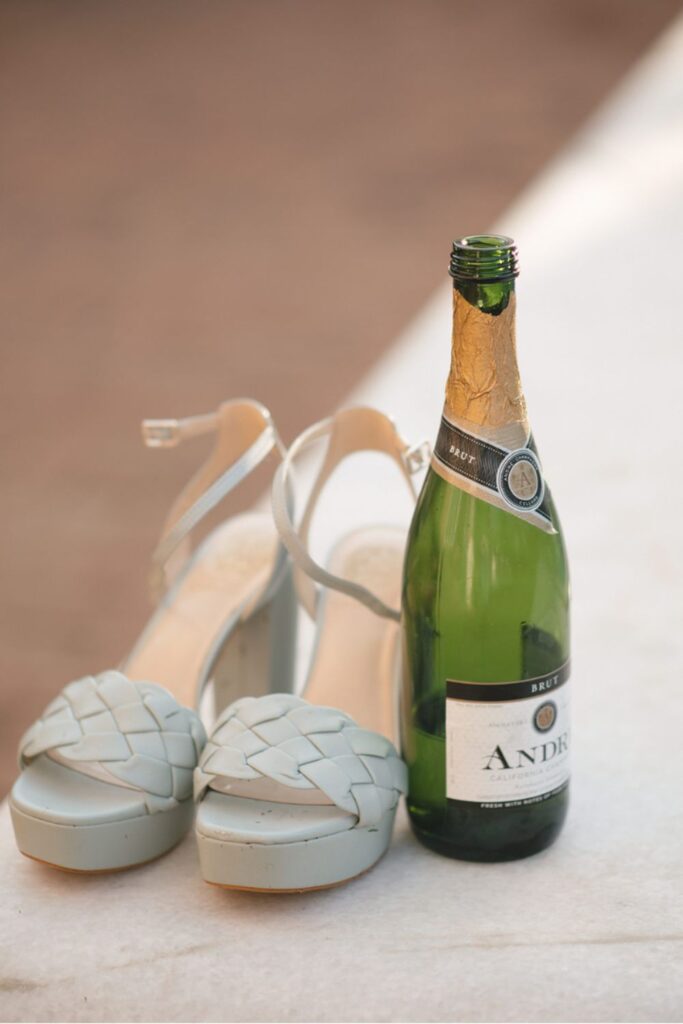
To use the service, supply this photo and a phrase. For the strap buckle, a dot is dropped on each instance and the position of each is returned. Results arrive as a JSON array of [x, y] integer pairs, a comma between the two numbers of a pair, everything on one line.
[[417, 456], [169, 433], [161, 433]]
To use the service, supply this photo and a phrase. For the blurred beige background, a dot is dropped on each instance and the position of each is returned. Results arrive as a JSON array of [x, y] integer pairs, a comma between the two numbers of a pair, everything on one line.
[[207, 199]]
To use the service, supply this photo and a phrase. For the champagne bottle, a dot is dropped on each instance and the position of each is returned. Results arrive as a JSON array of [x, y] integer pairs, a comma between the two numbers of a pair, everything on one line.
[[485, 598]]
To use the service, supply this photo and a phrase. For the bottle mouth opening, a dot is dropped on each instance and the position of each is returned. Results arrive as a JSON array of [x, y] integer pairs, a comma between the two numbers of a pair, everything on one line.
[[484, 258]]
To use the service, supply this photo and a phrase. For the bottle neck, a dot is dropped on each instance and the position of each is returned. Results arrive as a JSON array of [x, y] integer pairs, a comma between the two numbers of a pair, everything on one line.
[[483, 387]]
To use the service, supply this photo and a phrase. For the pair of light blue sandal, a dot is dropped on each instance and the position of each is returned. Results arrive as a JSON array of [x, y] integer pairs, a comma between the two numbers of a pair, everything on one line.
[[291, 794]]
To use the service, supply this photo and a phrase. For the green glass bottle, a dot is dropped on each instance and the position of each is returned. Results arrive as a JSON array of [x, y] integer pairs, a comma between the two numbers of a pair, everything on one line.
[[485, 715]]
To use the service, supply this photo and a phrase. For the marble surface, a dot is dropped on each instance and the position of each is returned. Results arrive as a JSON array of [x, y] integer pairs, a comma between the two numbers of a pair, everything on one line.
[[591, 929]]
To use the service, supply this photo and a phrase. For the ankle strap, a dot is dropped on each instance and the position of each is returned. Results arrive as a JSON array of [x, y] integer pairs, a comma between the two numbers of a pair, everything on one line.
[[351, 430], [245, 436]]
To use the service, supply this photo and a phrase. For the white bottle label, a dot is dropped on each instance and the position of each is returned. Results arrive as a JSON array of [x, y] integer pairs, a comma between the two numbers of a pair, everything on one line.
[[507, 744]]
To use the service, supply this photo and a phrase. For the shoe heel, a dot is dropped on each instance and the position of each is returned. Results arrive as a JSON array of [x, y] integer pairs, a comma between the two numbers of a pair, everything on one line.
[[258, 656]]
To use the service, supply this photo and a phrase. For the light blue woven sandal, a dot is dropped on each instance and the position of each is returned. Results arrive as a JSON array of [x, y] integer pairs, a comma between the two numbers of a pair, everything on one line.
[[106, 779], [293, 793]]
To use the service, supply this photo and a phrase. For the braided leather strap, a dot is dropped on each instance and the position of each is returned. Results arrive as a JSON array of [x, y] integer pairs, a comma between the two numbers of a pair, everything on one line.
[[130, 734], [299, 745]]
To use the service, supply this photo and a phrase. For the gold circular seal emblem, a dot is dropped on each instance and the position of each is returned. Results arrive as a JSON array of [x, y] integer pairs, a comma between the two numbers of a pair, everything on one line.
[[545, 715], [523, 480], [519, 480]]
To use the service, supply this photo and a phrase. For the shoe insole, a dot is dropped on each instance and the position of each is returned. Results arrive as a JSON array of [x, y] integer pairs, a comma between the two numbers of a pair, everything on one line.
[[231, 565], [56, 793], [354, 665]]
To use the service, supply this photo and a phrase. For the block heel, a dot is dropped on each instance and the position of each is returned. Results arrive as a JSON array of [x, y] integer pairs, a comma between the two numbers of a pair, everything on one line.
[[257, 656]]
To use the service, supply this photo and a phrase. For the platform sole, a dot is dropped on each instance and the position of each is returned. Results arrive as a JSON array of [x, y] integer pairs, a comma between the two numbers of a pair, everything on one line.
[[112, 846], [313, 864]]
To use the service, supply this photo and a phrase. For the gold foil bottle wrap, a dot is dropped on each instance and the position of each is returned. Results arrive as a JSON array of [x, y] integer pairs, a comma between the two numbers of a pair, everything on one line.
[[483, 385]]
